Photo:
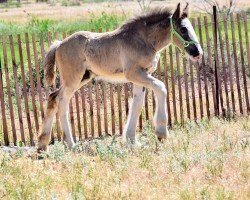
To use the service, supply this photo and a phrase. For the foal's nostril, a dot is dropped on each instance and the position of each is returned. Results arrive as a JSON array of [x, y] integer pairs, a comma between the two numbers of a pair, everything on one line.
[[198, 57]]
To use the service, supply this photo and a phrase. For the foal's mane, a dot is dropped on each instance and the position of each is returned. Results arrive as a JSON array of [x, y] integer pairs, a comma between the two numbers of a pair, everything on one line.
[[152, 17]]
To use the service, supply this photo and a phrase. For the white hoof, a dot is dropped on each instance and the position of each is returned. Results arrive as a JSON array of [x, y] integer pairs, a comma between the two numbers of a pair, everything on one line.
[[161, 132], [132, 143], [71, 144]]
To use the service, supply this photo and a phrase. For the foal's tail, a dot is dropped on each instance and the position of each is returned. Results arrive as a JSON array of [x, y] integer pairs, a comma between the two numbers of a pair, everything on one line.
[[49, 64]]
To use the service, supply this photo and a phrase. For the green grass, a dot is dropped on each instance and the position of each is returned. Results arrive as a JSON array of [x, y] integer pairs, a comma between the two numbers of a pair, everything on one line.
[[35, 25], [205, 160]]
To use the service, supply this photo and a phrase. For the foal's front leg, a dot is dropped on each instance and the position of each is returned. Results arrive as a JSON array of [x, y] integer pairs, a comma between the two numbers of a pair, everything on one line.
[[141, 77], [134, 113]]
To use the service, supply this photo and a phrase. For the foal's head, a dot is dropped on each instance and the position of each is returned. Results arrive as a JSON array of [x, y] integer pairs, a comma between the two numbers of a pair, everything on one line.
[[183, 35], [160, 27]]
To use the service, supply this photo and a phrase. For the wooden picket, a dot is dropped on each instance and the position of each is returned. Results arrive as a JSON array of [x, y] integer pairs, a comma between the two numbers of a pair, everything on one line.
[[7, 79], [236, 63], [25, 94], [210, 64], [112, 108], [173, 82], [198, 80], [243, 70], [18, 100], [229, 63], [98, 109], [84, 116], [191, 65], [167, 87], [247, 41], [33, 97], [179, 85], [105, 112], [4, 118], [223, 66], [203, 71]]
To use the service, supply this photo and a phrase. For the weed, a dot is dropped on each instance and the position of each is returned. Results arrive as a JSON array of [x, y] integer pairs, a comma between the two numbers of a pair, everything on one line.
[[56, 152], [185, 195], [109, 152], [221, 194], [244, 143]]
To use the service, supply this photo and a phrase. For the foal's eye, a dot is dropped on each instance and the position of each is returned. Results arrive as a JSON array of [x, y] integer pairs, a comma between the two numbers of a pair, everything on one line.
[[183, 30]]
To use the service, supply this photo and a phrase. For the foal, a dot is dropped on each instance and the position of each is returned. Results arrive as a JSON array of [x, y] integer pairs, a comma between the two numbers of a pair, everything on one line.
[[127, 54]]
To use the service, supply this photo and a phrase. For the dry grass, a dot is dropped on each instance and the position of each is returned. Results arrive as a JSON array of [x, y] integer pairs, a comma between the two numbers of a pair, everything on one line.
[[208, 160], [70, 13]]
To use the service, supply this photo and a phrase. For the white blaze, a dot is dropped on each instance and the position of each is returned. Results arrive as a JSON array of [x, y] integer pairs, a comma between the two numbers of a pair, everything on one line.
[[191, 33]]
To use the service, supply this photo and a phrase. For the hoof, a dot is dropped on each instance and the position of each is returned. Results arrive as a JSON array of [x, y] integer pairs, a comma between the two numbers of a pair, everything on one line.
[[136, 144], [41, 149], [41, 152], [71, 145], [162, 133], [132, 143]]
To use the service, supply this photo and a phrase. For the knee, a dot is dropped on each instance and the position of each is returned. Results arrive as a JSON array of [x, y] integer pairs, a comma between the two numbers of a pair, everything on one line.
[[63, 109]]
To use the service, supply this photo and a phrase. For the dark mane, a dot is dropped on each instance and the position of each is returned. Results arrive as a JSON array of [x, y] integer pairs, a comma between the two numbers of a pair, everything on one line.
[[154, 16]]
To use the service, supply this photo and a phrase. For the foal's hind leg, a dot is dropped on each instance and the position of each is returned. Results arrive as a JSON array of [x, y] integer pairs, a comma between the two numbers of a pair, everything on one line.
[[52, 105], [59, 101], [134, 113], [63, 111], [63, 107]]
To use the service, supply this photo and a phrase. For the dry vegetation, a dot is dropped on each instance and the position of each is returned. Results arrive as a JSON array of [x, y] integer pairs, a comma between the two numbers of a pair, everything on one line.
[[57, 11], [201, 161]]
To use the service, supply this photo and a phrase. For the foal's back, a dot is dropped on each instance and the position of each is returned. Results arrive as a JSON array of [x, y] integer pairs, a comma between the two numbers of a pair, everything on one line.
[[99, 52]]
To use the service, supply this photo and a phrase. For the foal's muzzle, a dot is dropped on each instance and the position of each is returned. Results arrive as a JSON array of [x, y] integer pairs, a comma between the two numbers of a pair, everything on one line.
[[195, 53], [196, 58]]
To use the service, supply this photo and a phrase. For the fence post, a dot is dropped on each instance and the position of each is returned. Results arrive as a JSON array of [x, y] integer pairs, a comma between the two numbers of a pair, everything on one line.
[[247, 41], [5, 127], [219, 99], [8, 85], [243, 70], [16, 86], [203, 69], [236, 64], [229, 61]]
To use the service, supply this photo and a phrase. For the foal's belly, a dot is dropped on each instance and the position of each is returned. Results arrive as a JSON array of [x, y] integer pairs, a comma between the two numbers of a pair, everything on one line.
[[111, 70], [113, 78]]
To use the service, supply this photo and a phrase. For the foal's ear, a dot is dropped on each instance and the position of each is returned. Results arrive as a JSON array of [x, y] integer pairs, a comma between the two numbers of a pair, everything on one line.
[[185, 12], [177, 12]]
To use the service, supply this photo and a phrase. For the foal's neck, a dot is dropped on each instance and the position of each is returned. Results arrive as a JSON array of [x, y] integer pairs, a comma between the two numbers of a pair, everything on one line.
[[158, 37]]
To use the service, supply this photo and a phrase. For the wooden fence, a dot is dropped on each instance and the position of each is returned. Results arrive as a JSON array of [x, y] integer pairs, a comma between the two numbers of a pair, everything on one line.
[[195, 91]]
